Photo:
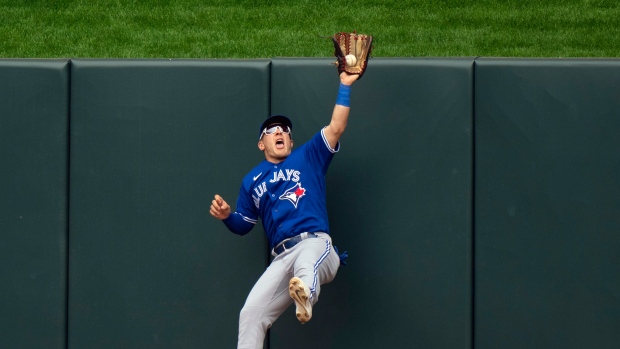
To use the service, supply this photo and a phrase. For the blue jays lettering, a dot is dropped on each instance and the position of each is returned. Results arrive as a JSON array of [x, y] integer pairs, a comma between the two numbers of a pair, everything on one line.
[[293, 194]]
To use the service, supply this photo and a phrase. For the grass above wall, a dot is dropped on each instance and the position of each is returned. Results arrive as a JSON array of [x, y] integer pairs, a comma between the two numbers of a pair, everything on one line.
[[288, 28]]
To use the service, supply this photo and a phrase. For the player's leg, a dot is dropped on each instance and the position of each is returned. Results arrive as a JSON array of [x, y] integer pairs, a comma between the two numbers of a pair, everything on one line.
[[316, 263], [265, 303]]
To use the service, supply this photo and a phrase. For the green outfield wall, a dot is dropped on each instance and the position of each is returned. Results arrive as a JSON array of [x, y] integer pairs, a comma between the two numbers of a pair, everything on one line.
[[478, 200], [399, 200], [151, 143], [547, 204], [34, 114]]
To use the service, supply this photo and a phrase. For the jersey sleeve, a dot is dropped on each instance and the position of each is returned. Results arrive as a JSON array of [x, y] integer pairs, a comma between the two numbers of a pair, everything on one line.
[[245, 217], [319, 152], [239, 224]]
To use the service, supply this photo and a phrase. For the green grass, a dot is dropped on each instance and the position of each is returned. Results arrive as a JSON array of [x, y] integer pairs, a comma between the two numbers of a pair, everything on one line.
[[289, 28]]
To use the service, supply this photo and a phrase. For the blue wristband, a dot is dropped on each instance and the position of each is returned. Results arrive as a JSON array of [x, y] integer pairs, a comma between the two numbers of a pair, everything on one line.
[[344, 95]]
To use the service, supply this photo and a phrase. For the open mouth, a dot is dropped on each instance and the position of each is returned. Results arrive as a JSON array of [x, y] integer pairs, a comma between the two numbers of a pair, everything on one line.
[[279, 143]]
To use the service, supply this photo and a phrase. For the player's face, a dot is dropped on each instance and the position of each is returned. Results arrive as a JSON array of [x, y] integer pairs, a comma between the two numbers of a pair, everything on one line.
[[277, 146]]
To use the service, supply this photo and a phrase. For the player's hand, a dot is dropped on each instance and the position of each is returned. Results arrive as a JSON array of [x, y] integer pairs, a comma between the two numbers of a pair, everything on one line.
[[348, 79], [219, 208]]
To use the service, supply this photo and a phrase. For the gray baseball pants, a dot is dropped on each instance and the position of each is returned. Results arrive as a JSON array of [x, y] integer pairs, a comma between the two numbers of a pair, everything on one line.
[[313, 260]]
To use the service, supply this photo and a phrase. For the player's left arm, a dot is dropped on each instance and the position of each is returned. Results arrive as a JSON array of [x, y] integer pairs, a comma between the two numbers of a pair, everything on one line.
[[340, 116]]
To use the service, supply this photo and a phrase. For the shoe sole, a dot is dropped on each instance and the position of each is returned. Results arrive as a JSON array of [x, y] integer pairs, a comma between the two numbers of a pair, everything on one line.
[[300, 293]]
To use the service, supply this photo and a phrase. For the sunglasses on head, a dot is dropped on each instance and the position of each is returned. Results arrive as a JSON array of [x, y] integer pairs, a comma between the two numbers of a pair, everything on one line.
[[274, 128]]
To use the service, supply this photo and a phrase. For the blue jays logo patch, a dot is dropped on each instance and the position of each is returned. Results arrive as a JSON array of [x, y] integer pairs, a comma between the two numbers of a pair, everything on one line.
[[294, 194]]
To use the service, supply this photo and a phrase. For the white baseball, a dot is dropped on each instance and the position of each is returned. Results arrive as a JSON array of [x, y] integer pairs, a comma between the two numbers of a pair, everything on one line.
[[351, 60]]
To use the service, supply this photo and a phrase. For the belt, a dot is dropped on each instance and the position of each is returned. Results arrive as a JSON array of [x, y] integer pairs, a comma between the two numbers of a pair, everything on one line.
[[290, 242]]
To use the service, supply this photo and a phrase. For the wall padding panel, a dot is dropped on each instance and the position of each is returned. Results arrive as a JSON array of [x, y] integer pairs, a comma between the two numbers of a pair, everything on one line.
[[34, 111], [151, 143], [399, 198], [547, 204]]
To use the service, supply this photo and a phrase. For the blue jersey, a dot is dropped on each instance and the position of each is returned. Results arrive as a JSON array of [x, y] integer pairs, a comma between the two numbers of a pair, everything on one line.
[[288, 197]]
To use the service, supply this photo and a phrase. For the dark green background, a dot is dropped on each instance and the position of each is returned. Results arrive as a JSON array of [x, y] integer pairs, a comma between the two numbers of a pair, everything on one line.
[[399, 200], [152, 142], [34, 113], [547, 204], [477, 198]]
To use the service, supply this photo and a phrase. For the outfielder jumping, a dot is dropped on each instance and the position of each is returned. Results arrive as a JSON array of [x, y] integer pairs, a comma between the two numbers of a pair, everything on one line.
[[287, 192]]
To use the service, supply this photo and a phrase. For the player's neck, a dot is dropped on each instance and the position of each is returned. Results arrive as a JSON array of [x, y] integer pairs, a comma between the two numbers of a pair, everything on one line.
[[275, 159]]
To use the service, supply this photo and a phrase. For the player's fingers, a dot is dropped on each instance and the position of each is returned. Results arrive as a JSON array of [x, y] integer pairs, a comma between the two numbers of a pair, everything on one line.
[[223, 205], [217, 214], [218, 199], [215, 205], [219, 208], [219, 202], [214, 212]]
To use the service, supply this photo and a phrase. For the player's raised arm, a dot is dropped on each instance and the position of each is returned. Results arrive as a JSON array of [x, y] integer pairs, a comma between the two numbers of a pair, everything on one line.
[[340, 115], [352, 52]]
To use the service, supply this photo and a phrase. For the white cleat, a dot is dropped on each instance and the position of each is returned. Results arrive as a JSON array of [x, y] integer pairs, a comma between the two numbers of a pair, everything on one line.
[[301, 295]]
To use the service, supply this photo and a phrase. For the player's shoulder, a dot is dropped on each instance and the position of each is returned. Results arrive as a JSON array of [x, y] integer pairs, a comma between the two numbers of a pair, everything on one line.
[[319, 142]]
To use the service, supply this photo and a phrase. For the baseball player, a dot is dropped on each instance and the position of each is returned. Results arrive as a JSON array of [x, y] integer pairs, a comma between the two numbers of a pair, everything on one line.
[[287, 192]]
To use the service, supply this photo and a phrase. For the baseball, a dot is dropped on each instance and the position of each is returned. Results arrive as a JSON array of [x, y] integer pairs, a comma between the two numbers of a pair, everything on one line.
[[351, 60]]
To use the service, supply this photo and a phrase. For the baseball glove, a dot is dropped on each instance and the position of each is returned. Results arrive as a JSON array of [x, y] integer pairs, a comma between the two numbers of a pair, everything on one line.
[[352, 51]]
